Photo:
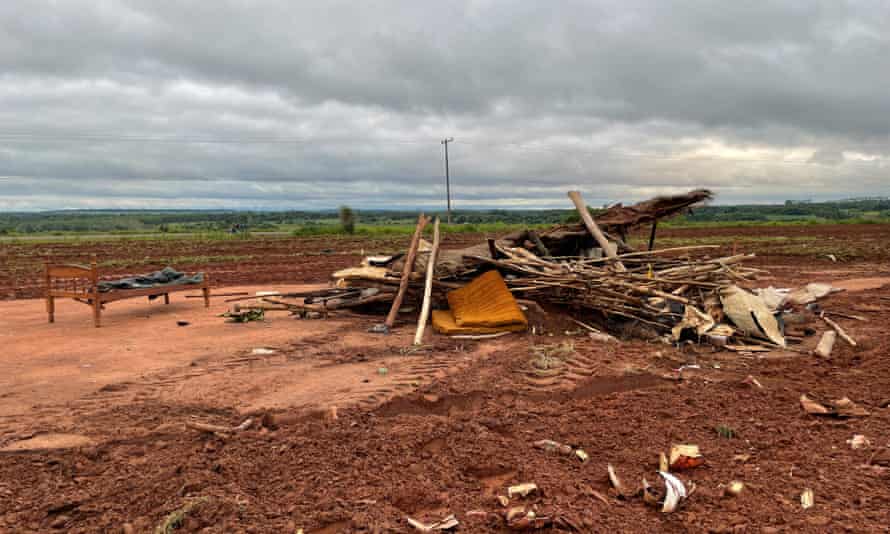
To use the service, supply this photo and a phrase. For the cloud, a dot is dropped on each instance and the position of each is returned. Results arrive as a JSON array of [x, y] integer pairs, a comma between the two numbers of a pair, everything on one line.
[[279, 104]]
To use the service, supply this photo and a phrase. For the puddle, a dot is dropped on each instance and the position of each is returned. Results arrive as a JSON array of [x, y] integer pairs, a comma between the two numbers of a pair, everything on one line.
[[49, 441]]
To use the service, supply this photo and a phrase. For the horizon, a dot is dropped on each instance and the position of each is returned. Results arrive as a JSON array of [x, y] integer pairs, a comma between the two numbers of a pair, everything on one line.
[[429, 209]]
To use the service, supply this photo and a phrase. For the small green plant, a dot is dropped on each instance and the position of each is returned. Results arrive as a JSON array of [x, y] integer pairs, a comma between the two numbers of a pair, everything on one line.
[[725, 432], [176, 518], [245, 316]]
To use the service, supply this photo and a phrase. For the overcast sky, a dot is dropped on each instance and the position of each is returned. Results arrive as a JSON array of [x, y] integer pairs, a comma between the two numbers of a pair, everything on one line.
[[313, 104]]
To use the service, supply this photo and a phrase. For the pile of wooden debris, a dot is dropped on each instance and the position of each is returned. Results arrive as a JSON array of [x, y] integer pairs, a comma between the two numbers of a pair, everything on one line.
[[587, 269]]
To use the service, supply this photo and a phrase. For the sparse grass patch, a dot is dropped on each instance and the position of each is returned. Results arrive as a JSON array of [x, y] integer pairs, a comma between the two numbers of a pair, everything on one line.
[[726, 432], [176, 518], [548, 360]]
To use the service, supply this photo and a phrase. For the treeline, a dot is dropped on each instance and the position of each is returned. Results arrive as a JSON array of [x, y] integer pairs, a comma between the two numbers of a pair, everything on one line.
[[134, 221], [877, 209], [196, 221]]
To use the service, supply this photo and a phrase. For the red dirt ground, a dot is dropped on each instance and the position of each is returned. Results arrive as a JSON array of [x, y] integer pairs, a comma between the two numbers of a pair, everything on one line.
[[429, 432]]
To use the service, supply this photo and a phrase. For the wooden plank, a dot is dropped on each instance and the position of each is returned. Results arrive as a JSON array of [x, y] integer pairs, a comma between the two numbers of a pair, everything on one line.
[[428, 287], [406, 271], [68, 271], [70, 294]]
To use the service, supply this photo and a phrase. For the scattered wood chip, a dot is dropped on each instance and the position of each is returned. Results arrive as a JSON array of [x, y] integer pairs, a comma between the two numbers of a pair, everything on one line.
[[858, 441], [812, 407], [685, 457], [447, 523], [747, 348], [593, 493], [522, 490], [807, 499], [841, 408], [826, 344], [675, 492], [734, 488], [553, 446], [840, 331], [847, 408], [620, 489], [219, 429], [751, 381], [528, 521]]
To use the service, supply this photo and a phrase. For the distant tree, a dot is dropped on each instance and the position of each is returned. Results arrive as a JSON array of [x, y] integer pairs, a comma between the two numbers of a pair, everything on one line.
[[347, 219]]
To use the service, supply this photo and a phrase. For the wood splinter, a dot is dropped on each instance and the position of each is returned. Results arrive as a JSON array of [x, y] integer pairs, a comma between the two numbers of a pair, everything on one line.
[[220, 430], [840, 331]]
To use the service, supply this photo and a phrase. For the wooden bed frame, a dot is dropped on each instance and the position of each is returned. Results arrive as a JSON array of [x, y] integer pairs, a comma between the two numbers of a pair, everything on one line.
[[81, 283]]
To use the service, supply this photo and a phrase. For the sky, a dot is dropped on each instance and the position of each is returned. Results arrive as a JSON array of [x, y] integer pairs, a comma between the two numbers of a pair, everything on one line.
[[290, 104]]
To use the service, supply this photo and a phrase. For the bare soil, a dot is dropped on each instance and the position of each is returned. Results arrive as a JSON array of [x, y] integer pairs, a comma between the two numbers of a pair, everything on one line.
[[93, 436]]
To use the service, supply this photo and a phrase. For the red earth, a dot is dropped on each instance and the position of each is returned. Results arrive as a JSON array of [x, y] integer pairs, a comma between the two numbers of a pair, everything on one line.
[[356, 432]]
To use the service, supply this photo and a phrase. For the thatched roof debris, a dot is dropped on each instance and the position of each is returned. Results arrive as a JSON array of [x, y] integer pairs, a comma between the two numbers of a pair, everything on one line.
[[616, 221]]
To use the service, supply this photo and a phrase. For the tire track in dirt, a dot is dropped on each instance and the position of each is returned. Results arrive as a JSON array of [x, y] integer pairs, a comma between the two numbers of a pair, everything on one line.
[[308, 375], [567, 376]]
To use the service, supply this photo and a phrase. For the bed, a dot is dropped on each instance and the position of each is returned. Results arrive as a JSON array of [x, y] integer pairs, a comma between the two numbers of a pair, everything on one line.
[[84, 284]]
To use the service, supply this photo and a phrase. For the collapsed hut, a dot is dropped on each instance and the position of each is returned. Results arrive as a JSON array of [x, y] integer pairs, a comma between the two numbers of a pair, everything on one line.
[[588, 269]]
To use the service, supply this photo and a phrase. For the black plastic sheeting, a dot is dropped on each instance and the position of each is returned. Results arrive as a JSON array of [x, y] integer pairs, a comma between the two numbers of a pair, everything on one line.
[[167, 276]]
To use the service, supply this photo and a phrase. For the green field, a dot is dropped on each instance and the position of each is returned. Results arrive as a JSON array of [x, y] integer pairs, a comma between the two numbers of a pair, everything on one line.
[[376, 223]]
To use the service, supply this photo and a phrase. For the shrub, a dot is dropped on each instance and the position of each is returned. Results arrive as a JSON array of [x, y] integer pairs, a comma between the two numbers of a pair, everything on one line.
[[347, 219]]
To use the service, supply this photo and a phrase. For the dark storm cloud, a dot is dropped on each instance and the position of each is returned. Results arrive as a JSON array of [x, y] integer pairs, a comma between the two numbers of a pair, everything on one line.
[[312, 104]]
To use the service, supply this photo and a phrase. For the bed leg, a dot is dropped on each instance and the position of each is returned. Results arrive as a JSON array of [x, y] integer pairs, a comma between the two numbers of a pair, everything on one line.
[[166, 298], [97, 311], [50, 302], [94, 283]]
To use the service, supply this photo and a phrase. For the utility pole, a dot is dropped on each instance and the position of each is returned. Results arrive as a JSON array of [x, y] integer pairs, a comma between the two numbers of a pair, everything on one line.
[[447, 176]]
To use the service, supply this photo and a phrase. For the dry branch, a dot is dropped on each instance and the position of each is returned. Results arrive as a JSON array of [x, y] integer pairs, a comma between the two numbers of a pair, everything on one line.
[[406, 271]]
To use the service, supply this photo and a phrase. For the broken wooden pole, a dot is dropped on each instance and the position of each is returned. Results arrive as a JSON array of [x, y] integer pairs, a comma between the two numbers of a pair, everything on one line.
[[840, 331], [406, 271], [428, 287], [539, 245], [823, 349], [652, 234], [493, 249], [594, 229]]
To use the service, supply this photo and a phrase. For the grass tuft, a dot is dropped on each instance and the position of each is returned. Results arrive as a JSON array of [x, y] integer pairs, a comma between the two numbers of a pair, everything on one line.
[[176, 518]]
